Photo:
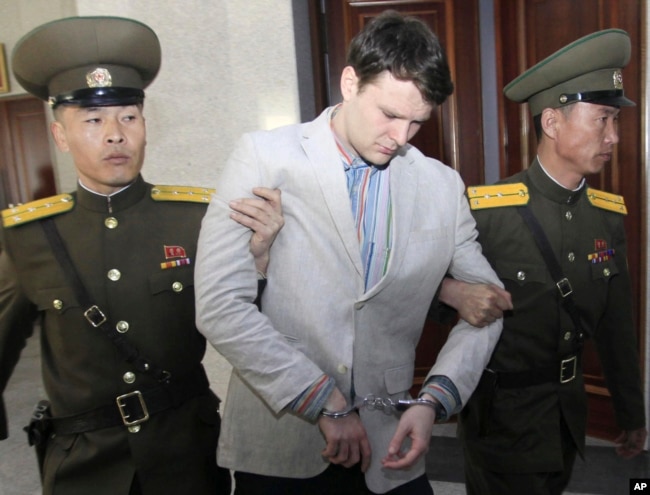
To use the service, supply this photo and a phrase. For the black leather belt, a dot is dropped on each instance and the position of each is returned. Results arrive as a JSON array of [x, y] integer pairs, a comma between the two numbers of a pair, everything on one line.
[[563, 371], [135, 407]]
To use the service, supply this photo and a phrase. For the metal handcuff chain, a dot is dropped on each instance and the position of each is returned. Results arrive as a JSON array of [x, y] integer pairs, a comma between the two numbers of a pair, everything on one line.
[[384, 404]]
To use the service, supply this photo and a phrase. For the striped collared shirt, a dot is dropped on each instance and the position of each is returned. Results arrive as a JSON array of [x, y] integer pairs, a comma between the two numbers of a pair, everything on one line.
[[369, 190]]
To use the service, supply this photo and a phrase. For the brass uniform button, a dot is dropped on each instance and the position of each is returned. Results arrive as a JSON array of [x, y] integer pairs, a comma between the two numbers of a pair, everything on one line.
[[342, 369], [122, 326], [129, 377], [114, 275], [607, 272], [111, 223], [521, 275], [567, 336], [177, 287], [57, 304], [568, 215], [134, 429], [571, 257]]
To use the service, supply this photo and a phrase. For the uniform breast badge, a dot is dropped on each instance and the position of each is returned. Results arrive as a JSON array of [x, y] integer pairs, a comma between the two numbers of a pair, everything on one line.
[[174, 252], [602, 253]]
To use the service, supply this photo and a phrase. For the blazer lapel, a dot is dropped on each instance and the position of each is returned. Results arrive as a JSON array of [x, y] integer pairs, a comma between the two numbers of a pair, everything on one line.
[[320, 148], [403, 191]]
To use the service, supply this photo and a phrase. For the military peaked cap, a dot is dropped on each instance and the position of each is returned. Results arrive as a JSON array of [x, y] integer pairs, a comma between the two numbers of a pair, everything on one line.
[[589, 70], [88, 61]]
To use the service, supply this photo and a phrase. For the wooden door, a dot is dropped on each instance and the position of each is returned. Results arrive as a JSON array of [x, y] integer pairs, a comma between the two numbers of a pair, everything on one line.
[[25, 165], [528, 31]]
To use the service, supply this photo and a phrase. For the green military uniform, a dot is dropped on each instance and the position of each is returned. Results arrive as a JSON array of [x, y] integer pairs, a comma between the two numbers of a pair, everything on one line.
[[134, 254], [520, 431], [116, 418], [522, 418]]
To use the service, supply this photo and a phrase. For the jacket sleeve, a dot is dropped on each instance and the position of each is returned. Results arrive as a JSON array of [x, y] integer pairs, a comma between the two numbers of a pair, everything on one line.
[[468, 349], [17, 317], [617, 346], [226, 289]]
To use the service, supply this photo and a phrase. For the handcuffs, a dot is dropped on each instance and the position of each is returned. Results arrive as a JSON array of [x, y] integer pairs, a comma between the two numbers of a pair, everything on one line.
[[388, 405]]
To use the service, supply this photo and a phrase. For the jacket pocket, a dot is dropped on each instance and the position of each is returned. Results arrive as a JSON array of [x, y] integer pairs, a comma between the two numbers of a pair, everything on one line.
[[604, 270], [59, 299], [172, 279], [399, 379], [521, 273]]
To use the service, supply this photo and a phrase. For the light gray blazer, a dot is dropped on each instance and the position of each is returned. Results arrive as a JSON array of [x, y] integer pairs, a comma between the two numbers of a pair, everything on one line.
[[316, 316]]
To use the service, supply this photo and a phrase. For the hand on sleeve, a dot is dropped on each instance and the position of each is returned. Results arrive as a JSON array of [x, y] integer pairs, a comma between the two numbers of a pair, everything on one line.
[[478, 304], [263, 215]]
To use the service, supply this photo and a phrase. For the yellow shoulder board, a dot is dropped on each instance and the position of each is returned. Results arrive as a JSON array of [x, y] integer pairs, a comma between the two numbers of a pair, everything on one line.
[[182, 193], [607, 201], [481, 197], [35, 210]]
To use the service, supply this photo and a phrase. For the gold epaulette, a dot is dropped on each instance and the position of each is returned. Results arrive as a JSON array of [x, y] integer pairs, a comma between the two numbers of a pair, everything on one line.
[[607, 201], [182, 193], [481, 197], [35, 210]]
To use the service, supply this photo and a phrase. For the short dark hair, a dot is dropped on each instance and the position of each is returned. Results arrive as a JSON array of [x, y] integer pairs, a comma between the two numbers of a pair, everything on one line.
[[408, 49]]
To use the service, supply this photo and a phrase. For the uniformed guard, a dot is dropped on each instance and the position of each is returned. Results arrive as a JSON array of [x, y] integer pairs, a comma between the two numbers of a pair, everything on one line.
[[108, 269], [560, 249]]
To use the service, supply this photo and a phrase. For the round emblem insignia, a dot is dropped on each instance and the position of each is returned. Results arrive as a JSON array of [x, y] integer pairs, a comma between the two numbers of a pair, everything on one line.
[[618, 79], [99, 78]]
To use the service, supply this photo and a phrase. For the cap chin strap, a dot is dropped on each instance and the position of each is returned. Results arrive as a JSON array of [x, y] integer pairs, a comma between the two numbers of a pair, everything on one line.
[[589, 96], [99, 97]]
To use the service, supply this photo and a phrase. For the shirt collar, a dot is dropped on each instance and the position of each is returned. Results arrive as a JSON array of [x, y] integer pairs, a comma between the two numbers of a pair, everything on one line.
[[119, 201]]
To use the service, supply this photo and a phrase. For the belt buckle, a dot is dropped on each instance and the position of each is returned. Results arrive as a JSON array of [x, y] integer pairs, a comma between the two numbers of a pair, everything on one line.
[[121, 406], [95, 316], [564, 286], [571, 365]]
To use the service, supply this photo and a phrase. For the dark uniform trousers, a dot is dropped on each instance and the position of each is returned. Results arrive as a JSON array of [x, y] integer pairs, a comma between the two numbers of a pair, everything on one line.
[[485, 482]]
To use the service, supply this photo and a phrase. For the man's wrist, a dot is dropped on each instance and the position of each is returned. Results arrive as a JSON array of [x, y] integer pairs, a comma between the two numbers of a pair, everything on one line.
[[433, 403], [338, 414]]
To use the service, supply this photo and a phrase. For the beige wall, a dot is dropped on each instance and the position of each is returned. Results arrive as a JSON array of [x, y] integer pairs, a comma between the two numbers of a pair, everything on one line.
[[228, 67]]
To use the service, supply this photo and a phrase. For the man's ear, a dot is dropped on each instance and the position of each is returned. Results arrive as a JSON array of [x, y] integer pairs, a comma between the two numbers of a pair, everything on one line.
[[549, 121], [349, 82], [58, 133]]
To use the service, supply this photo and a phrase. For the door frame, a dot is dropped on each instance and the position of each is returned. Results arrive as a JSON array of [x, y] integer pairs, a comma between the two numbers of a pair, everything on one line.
[[645, 261]]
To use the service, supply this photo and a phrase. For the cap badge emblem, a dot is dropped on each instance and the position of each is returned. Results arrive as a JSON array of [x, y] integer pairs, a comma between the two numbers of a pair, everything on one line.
[[618, 79], [99, 78]]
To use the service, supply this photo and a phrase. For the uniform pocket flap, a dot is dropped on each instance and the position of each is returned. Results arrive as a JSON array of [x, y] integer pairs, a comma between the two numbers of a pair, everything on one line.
[[172, 279], [521, 272], [56, 298], [602, 270]]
